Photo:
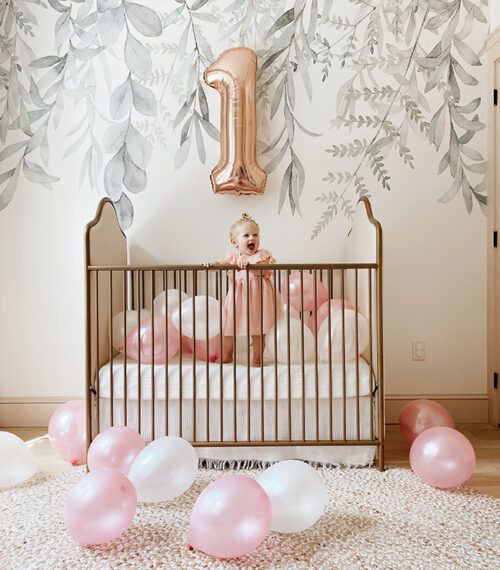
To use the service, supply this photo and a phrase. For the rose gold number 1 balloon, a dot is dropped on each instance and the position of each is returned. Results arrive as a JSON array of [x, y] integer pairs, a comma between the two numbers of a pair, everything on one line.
[[233, 75]]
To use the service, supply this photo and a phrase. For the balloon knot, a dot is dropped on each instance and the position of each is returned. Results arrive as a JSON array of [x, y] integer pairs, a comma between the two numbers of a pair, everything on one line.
[[189, 547], [120, 349], [213, 358], [74, 462]]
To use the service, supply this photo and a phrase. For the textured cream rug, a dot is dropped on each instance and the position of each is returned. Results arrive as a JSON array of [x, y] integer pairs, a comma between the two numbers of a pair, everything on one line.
[[387, 520]]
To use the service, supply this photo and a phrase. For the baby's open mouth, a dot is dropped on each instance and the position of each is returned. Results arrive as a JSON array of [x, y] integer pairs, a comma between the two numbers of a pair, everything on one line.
[[251, 246]]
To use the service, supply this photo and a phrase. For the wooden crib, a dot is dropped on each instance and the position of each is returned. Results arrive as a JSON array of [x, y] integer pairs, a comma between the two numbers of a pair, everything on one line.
[[323, 408]]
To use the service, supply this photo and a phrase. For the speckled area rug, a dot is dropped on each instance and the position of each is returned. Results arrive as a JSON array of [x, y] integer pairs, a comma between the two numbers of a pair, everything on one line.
[[387, 520]]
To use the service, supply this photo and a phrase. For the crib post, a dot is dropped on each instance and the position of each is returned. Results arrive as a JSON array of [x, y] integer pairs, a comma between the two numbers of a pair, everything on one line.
[[88, 363], [105, 244]]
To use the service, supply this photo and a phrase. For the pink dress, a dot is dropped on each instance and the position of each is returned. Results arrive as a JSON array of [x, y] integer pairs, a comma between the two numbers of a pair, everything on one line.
[[254, 297]]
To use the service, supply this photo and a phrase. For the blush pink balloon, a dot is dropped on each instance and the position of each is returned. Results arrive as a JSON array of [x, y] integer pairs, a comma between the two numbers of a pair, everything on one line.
[[230, 518], [322, 313], [146, 340], [186, 345], [100, 507], [67, 433], [419, 415], [295, 291], [115, 448], [442, 457], [213, 349]]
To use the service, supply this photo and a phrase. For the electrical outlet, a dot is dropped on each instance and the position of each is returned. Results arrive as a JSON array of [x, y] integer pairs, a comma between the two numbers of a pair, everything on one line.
[[418, 350]]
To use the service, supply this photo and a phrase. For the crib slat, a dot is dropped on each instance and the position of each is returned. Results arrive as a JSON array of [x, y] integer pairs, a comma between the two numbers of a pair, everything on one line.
[[358, 429], [288, 358], [330, 363], [153, 355], [111, 355], [235, 398], [261, 359], [180, 353], [167, 403], [207, 373], [221, 364], [125, 307], [303, 355], [247, 279], [140, 284], [344, 387], [194, 277], [370, 321], [316, 376], [275, 356]]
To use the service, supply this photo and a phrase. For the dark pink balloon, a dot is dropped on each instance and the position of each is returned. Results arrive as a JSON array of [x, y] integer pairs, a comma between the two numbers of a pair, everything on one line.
[[100, 507], [230, 518], [322, 313], [419, 415], [442, 457], [67, 433], [161, 349], [115, 448], [296, 290], [213, 354]]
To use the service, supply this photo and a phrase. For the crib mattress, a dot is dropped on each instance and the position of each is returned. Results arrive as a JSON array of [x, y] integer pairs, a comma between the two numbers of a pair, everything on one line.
[[346, 382], [228, 419]]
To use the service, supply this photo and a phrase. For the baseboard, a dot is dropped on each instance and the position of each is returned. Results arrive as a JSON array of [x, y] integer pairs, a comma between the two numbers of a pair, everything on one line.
[[29, 412], [464, 408]]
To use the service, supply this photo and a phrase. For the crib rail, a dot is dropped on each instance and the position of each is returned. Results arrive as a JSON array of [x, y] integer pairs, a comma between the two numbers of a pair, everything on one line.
[[298, 394]]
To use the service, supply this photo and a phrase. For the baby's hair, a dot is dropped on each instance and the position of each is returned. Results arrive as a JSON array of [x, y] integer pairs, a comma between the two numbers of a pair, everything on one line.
[[244, 218]]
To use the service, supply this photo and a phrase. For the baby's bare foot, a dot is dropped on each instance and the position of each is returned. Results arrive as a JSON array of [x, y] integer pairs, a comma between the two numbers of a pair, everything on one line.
[[256, 362], [227, 359]]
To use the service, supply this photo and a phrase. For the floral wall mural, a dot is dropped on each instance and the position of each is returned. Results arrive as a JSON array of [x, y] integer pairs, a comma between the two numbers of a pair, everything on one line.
[[396, 74]]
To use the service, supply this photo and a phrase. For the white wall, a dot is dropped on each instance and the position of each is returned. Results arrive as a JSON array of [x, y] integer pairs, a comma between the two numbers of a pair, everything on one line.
[[435, 255], [494, 14]]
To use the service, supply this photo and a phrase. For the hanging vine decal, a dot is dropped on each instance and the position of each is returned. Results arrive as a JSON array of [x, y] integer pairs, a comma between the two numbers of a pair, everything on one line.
[[396, 73]]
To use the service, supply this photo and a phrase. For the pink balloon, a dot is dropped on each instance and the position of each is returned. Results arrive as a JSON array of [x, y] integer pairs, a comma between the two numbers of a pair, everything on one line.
[[213, 349], [67, 432], [100, 506], [115, 448], [230, 518], [186, 345], [146, 337], [322, 313], [419, 415], [295, 291], [442, 457]]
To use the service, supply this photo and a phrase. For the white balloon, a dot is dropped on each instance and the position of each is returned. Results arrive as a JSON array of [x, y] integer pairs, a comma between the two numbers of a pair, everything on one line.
[[297, 493], [337, 334], [119, 332], [170, 299], [17, 462], [294, 314], [295, 341], [185, 312], [164, 469]]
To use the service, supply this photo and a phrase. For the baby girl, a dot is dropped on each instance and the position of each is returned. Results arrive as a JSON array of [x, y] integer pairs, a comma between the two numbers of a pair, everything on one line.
[[244, 236]]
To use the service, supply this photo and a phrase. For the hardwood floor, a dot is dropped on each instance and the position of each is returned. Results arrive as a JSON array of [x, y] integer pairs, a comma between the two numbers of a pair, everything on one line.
[[484, 438]]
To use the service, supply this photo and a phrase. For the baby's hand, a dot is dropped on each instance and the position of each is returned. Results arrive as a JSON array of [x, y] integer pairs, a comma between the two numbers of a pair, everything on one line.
[[242, 261], [208, 263]]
